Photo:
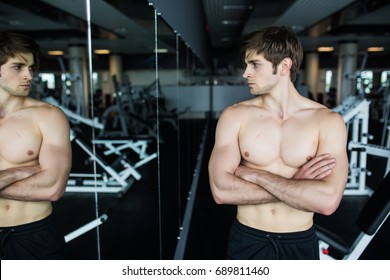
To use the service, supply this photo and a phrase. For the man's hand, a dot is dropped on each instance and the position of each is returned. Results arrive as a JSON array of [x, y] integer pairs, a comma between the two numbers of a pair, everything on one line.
[[317, 167]]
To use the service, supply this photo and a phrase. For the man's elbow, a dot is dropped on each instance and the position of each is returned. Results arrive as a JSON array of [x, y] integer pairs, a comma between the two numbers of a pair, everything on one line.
[[56, 192], [55, 196], [330, 205], [219, 196], [328, 210]]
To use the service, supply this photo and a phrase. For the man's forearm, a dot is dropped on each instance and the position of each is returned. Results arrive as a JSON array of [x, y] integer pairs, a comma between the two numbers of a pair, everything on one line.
[[302, 194], [231, 189], [12, 175]]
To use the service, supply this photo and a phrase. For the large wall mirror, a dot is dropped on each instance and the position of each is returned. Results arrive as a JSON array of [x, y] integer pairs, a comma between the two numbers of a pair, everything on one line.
[[123, 77]]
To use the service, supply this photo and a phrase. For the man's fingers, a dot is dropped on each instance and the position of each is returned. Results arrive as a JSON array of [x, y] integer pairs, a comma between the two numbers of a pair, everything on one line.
[[324, 174], [324, 162], [324, 170], [316, 159]]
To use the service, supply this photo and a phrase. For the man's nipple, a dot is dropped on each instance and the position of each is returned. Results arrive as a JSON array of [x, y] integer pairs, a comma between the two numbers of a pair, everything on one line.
[[30, 153], [246, 154]]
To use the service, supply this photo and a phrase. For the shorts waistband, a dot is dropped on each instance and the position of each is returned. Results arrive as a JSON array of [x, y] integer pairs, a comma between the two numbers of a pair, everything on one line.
[[29, 227], [257, 233]]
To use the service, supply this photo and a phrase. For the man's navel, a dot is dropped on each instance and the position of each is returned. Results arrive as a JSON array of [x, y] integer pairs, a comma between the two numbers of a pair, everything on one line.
[[6, 207]]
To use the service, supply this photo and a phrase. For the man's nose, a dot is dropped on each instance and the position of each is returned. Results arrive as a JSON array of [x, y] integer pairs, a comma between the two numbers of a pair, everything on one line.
[[28, 74], [246, 73]]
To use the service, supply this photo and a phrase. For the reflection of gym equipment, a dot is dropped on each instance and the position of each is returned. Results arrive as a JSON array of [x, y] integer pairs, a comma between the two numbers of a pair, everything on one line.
[[370, 220], [118, 147], [120, 121], [70, 81], [73, 117], [148, 107], [85, 228], [111, 180], [115, 177]]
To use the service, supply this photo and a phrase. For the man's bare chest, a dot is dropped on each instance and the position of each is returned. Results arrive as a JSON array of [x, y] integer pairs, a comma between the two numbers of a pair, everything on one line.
[[266, 141], [20, 141]]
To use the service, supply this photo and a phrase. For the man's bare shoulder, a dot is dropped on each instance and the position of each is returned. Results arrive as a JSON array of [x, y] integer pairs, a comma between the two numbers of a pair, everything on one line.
[[241, 107], [43, 107], [319, 110], [44, 113]]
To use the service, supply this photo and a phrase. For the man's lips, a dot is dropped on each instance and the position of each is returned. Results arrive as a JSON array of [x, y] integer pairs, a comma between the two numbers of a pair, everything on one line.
[[26, 86]]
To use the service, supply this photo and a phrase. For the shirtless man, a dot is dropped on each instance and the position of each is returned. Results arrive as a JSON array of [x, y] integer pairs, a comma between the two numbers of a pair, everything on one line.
[[35, 157], [279, 157]]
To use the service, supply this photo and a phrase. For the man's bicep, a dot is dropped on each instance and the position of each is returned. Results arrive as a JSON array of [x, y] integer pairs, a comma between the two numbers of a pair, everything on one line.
[[55, 155], [333, 140], [226, 156], [224, 159]]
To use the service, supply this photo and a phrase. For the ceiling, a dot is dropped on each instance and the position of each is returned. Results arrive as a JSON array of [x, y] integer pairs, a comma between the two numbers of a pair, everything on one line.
[[127, 26]]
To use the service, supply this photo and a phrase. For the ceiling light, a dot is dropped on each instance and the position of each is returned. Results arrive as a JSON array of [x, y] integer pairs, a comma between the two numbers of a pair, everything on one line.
[[226, 39], [235, 7], [325, 49], [161, 50], [15, 23], [231, 22], [102, 51], [375, 49], [55, 52]]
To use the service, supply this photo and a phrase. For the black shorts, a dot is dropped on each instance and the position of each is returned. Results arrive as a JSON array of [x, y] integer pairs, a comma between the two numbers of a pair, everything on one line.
[[246, 243], [40, 240]]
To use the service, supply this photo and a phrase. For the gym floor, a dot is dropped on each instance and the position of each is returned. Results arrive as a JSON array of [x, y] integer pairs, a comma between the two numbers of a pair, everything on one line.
[[144, 222]]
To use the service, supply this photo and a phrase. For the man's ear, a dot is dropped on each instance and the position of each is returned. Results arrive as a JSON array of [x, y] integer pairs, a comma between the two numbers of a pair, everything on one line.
[[286, 65]]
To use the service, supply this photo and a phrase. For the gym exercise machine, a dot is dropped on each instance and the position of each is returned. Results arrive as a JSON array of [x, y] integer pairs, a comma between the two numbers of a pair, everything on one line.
[[147, 106], [120, 120], [70, 81], [369, 221], [116, 176], [355, 112], [117, 147], [85, 228], [74, 117], [386, 115]]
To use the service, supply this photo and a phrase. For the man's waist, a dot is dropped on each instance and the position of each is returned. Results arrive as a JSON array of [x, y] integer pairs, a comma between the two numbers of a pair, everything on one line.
[[14, 212], [274, 217]]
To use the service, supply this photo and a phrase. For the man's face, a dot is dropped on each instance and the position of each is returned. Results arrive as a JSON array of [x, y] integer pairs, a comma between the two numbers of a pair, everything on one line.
[[259, 73], [16, 75]]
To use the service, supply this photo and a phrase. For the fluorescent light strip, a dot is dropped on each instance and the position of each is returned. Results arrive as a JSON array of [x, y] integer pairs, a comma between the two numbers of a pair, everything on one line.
[[55, 52], [102, 51], [375, 49], [325, 49], [235, 7]]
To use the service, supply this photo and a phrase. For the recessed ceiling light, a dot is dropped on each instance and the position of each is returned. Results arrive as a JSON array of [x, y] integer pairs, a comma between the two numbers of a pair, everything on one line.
[[102, 51], [231, 22], [325, 49], [55, 52], [375, 49], [235, 7], [161, 50]]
